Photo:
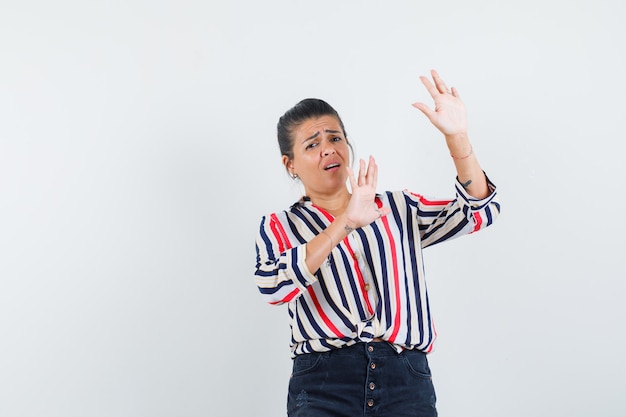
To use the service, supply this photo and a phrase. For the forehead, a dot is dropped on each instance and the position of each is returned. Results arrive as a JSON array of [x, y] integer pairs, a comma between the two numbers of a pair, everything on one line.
[[313, 125]]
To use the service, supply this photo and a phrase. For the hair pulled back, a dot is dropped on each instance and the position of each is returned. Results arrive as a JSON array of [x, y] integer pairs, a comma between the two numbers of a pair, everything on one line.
[[304, 110]]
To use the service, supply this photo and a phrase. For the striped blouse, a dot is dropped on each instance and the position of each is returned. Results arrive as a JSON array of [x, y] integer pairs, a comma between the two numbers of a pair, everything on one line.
[[372, 284]]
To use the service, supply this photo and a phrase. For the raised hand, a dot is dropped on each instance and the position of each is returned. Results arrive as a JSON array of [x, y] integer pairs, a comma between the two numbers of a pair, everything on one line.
[[362, 209], [449, 115]]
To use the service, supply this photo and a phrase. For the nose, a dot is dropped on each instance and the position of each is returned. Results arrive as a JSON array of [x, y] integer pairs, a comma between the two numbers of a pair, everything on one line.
[[327, 149]]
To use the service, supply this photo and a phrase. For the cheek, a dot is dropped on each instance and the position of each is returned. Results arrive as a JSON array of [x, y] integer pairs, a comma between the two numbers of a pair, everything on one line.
[[346, 153], [300, 163]]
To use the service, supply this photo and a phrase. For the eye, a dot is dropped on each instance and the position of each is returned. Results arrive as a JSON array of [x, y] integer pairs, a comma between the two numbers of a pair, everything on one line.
[[311, 145], [337, 139]]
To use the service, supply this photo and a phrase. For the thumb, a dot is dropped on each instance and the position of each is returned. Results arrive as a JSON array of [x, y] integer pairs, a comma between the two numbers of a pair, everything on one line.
[[424, 109]]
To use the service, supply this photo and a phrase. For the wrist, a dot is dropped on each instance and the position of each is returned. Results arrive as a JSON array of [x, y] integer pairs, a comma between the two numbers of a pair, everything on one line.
[[459, 146], [456, 138], [346, 224]]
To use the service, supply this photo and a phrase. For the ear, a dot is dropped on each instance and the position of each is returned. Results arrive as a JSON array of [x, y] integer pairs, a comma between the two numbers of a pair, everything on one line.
[[288, 163]]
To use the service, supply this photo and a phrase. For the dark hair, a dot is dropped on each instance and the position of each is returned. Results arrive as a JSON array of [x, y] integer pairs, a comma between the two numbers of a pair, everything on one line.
[[304, 110]]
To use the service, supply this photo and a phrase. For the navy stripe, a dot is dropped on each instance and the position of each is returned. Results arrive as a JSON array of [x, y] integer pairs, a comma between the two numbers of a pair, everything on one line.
[[333, 306], [266, 240], [321, 224], [413, 224], [352, 279], [307, 313], [433, 230], [413, 256], [370, 261], [276, 288], [342, 294]]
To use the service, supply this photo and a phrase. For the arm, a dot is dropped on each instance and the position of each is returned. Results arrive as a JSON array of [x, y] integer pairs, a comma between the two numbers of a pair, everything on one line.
[[284, 269], [361, 211], [468, 170], [450, 118], [281, 273], [442, 220]]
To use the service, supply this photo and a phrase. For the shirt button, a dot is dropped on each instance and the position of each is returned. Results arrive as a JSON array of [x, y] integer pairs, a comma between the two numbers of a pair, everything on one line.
[[370, 403], [373, 365], [372, 385], [355, 255], [367, 287], [370, 348]]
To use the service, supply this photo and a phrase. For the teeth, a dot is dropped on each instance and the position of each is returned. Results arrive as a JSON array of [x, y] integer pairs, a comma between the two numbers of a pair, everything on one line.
[[332, 166]]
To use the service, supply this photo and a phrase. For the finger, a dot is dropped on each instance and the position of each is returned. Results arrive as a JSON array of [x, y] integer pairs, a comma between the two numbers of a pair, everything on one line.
[[425, 109], [362, 171], [441, 86], [372, 174], [371, 168], [430, 87], [455, 92], [353, 184]]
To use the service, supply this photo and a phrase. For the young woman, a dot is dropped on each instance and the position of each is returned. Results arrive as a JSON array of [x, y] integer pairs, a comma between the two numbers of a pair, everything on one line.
[[348, 263]]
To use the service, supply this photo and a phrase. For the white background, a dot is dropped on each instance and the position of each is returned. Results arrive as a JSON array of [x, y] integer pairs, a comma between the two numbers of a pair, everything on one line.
[[138, 154]]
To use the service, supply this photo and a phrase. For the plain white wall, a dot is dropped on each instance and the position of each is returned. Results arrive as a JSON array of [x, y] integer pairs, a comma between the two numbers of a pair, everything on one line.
[[138, 153]]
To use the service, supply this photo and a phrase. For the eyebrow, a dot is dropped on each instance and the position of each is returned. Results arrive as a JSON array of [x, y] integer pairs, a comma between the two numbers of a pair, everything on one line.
[[318, 133]]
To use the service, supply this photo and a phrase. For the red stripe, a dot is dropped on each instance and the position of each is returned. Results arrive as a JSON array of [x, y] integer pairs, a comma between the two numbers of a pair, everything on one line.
[[326, 214], [280, 234], [318, 307], [274, 227], [428, 202], [432, 342], [323, 315], [359, 275], [479, 221], [396, 280], [288, 297]]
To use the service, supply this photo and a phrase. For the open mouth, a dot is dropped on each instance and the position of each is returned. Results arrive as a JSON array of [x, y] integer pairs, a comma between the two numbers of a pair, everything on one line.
[[331, 166]]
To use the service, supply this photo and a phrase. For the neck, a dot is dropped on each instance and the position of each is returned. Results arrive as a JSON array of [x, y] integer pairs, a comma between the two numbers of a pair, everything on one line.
[[334, 204]]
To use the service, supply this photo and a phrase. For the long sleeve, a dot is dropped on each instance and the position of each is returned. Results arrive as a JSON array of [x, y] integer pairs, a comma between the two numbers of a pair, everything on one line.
[[373, 283], [281, 272], [441, 220]]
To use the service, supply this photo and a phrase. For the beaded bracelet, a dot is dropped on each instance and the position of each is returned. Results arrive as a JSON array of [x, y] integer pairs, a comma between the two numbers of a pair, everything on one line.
[[463, 157]]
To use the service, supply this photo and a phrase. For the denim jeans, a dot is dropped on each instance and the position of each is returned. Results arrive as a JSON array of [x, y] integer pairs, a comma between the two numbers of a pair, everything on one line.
[[366, 379]]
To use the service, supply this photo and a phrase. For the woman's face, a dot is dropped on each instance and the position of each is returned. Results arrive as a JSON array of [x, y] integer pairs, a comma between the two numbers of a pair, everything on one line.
[[320, 155]]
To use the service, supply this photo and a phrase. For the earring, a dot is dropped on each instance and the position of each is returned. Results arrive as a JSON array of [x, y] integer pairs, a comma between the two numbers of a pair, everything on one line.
[[294, 176]]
